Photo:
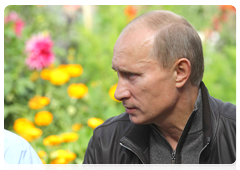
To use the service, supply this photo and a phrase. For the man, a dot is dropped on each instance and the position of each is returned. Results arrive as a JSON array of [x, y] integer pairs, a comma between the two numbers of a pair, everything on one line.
[[18, 151], [170, 117]]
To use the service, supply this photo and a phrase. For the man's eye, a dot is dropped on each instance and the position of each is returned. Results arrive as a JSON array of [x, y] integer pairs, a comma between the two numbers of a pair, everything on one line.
[[131, 74]]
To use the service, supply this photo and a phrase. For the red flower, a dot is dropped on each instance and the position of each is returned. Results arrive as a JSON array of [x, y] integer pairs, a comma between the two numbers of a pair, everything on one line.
[[130, 11], [227, 7], [39, 49], [18, 27]]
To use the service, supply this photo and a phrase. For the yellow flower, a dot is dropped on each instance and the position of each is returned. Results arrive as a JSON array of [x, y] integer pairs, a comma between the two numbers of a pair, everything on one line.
[[54, 164], [52, 140], [94, 122], [77, 90], [112, 91], [69, 137], [58, 76], [74, 70], [38, 102], [34, 76], [26, 129], [42, 154], [34, 132], [45, 74], [59, 161], [43, 118], [62, 156], [70, 156], [21, 124], [76, 127]]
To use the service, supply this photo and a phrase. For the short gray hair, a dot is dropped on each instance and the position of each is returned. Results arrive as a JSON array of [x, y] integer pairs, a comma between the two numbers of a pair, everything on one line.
[[174, 38]]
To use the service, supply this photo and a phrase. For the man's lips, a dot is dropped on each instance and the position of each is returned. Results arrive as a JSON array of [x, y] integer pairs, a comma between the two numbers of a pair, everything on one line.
[[130, 109]]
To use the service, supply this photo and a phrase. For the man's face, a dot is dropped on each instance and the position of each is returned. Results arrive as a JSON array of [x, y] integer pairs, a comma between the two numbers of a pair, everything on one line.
[[146, 90]]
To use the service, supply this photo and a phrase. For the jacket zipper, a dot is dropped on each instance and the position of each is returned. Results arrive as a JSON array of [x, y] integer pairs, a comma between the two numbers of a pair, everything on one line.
[[202, 150], [132, 151], [173, 157]]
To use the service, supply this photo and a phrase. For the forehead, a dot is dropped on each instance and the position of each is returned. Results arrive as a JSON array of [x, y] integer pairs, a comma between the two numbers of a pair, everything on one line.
[[133, 48]]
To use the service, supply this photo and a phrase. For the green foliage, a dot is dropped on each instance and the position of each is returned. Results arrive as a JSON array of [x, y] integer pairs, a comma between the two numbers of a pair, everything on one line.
[[93, 49]]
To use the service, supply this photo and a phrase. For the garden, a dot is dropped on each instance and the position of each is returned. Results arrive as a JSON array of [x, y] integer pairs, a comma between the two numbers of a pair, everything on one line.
[[58, 81]]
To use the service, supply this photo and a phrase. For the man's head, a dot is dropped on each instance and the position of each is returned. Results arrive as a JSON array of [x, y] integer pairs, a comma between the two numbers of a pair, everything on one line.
[[155, 56], [174, 38]]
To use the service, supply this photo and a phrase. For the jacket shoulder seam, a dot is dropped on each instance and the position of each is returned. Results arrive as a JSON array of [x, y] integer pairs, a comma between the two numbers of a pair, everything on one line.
[[228, 117], [111, 123]]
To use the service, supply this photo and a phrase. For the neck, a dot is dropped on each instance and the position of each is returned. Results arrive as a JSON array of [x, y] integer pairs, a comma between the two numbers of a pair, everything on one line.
[[173, 123]]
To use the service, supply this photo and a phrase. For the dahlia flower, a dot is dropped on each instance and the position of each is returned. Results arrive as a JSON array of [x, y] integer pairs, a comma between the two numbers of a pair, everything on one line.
[[39, 49]]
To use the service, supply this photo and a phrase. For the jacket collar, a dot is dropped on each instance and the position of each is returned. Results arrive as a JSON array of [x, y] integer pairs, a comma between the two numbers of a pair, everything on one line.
[[139, 134]]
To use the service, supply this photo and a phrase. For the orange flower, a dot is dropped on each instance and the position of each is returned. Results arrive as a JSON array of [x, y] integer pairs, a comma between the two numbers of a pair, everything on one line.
[[45, 74], [74, 70], [58, 77], [38, 102], [21, 124], [43, 118], [227, 7], [112, 91], [76, 127], [94, 122], [69, 137], [130, 12], [77, 90], [54, 164], [62, 156], [52, 140], [42, 154], [26, 129]]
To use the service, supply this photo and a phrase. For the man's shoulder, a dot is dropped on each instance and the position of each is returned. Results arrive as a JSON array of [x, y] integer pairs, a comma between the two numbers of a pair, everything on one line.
[[225, 109], [13, 140], [119, 120]]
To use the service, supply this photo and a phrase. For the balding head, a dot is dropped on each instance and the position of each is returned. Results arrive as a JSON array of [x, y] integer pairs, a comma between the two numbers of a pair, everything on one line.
[[174, 38]]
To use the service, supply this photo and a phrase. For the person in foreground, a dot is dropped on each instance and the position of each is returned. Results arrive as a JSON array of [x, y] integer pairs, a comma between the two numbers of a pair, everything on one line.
[[170, 116], [18, 151]]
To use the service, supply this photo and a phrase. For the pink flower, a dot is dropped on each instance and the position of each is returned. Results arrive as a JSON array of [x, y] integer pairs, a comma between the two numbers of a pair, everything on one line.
[[18, 27], [18, 22], [12, 17], [39, 49]]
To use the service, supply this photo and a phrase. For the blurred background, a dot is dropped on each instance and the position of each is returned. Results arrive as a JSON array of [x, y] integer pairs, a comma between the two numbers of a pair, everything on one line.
[[58, 81]]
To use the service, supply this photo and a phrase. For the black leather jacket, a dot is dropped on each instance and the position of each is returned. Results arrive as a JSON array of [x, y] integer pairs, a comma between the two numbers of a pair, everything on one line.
[[118, 141]]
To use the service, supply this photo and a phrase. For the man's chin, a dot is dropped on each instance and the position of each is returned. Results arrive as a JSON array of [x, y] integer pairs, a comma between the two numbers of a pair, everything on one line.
[[136, 120]]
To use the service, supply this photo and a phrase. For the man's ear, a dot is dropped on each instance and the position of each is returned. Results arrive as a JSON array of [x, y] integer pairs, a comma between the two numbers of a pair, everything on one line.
[[182, 70]]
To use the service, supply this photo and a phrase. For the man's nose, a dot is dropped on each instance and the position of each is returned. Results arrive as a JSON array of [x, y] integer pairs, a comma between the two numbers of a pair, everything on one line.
[[122, 91]]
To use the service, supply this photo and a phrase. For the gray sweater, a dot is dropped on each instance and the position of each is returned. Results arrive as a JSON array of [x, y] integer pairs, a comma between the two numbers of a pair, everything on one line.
[[188, 148]]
